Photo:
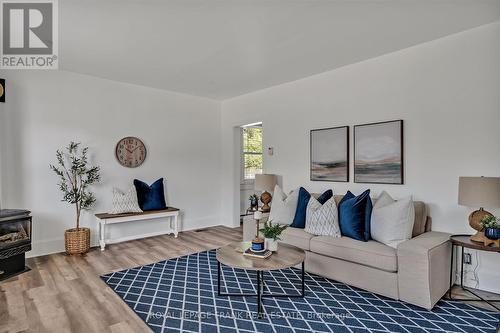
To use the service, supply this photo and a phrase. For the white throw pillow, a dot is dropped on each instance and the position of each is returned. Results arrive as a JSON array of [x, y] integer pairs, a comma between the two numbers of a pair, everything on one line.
[[392, 221], [283, 206], [384, 199], [322, 219], [125, 202]]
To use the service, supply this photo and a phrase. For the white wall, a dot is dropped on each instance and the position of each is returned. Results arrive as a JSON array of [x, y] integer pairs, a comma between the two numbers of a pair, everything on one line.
[[2, 147], [446, 91], [47, 109]]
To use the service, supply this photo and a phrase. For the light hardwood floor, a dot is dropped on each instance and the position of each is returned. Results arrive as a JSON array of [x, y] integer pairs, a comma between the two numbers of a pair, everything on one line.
[[65, 294]]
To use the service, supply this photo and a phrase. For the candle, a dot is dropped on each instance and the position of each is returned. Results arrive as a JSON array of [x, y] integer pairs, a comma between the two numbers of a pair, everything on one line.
[[258, 245], [257, 215]]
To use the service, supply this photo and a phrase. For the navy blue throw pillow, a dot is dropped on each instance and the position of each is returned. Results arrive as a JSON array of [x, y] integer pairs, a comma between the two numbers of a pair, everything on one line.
[[355, 215], [299, 221], [327, 195], [150, 197]]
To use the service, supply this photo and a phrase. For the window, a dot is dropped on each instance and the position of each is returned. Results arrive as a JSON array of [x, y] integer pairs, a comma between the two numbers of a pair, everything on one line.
[[251, 151]]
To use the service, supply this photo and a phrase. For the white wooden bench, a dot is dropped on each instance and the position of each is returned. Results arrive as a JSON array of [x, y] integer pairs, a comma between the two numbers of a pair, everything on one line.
[[105, 218]]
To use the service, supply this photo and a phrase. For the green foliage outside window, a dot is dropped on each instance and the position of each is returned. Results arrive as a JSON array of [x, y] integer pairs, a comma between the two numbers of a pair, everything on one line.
[[252, 151]]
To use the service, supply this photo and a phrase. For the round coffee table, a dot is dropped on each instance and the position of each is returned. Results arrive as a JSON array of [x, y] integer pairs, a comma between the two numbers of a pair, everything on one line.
[[287, 256]]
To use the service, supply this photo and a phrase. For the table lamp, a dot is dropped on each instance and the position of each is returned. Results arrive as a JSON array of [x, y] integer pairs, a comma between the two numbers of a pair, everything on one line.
[[265, 183], [479, 192]]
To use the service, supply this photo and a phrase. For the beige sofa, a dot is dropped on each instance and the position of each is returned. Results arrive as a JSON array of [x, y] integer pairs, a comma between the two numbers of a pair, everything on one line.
[[416, 272]]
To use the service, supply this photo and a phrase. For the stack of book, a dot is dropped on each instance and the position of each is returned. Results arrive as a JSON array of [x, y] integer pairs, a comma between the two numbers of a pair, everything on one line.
[[260, 255]]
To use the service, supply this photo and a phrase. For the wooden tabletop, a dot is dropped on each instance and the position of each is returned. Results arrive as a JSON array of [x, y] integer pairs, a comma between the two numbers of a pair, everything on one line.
[[148, 212], [465, 241], [287, 256]]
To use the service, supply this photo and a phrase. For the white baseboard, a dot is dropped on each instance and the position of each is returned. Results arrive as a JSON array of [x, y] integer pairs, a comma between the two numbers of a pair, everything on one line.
[[46, 247]]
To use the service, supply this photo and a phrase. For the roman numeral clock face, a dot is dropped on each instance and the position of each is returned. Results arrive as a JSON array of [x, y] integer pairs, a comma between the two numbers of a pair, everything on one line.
[[130, 152]]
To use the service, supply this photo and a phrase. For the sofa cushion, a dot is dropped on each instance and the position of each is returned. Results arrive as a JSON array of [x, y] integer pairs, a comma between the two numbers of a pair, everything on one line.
[[370, 253], [297, 237], [299, 221], [420, 225], [322, 220], [392, 221], [283, 206], [355, 214], [325, 196], [420, 218]]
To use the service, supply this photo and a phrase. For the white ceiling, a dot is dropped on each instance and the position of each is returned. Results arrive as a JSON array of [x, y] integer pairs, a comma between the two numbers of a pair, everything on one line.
[[224, 48]]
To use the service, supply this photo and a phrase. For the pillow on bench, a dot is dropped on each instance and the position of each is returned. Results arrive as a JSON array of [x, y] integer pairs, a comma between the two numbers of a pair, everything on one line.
[[150, 197], [125, 202]]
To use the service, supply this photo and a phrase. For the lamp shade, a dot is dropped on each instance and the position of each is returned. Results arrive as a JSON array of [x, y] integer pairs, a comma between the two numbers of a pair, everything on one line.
[[265, 182], [479, 192]]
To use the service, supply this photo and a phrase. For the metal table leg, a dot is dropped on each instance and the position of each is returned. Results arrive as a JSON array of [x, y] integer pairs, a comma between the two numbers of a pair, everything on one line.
[[303, 280], [462, 269], [218, 277], [490, 302], [260, 289], [259, 297], [451, 270]]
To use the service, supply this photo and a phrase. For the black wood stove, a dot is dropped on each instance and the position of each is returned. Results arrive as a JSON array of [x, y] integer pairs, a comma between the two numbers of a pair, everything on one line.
[[15, 241]]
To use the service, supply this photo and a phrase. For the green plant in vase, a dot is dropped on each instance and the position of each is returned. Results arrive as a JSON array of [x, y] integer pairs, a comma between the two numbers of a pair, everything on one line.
[[254, 201], [75, 177], [491, 227], [272, 233]]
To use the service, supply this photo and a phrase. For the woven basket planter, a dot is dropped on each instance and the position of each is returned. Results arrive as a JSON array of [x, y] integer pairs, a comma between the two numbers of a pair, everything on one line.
[[77, 241]]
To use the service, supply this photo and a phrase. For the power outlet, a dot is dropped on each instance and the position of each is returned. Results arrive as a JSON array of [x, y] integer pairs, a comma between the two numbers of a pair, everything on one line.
[[467, 259]]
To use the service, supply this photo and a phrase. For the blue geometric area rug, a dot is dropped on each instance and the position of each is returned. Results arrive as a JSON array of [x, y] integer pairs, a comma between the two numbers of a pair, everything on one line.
[[180, 295]]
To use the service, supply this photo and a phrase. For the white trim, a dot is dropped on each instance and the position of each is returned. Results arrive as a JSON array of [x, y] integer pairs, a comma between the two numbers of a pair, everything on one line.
[[42, 248], [257, 124], [53, 246]]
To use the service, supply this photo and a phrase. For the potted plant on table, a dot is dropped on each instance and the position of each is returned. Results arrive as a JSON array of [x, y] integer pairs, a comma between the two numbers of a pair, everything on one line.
[[491, 227], [272, 233], [254, 202], [75, 178]]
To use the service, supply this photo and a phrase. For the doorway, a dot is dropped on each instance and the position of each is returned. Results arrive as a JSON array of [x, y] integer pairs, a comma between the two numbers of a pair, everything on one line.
[[251, 163]]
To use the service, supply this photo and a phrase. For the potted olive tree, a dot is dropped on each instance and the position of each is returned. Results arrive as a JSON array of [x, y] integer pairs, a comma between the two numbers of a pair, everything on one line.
[[272, 233], [75, 178]]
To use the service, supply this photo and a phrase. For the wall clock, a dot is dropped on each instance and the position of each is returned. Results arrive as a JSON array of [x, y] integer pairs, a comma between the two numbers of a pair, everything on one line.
[[130, 152]]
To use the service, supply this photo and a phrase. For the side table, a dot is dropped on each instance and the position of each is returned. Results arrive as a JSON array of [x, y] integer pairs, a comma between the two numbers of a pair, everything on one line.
[[464, 241]]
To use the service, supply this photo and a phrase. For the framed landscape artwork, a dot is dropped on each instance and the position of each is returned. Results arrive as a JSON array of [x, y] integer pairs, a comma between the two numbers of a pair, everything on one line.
[[330, 154], [378, 153]]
